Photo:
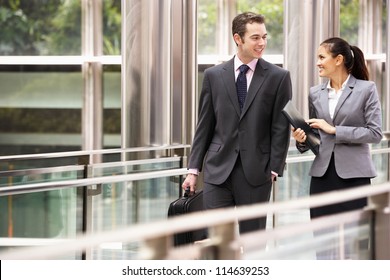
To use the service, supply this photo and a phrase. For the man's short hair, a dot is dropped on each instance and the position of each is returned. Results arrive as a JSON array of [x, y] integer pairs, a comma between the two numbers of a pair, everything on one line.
[[240, 21]]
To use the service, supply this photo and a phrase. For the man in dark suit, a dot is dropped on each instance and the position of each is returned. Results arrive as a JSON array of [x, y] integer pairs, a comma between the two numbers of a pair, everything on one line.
[[241, 150]]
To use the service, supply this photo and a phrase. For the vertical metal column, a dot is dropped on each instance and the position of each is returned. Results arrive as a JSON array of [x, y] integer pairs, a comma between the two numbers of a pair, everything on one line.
[[227, 10], [370, 26], [92, 112], [188, 93], [370, 40], [386, 92], [382, 226], [157, 54], [92, 46], [306, 24]]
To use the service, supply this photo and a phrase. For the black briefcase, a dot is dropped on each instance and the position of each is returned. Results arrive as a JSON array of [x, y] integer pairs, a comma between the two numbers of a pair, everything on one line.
[[183, 205]]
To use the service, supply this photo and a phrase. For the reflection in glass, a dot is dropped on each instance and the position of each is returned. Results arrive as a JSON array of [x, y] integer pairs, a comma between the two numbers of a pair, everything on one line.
[[40, 109], [112, 27], [37, 28], [112, 106]]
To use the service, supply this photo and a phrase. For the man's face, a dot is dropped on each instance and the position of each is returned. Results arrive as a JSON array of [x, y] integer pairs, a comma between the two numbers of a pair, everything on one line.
[[253, 44]]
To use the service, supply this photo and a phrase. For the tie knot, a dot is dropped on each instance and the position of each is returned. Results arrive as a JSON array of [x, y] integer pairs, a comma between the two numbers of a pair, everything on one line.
[[244, 68]]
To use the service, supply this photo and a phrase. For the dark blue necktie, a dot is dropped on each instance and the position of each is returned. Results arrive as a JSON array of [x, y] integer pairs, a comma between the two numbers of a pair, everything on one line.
[[241, 85]]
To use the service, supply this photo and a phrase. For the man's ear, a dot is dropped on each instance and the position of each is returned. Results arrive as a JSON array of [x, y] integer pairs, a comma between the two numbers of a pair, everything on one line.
[[237, 39]]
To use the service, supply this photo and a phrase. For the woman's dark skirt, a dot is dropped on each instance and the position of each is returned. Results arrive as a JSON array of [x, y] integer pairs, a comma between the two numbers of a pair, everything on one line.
[[331, 182]]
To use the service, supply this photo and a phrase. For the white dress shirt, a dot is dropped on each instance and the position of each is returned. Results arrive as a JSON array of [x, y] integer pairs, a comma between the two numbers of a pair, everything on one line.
[[334, 96]]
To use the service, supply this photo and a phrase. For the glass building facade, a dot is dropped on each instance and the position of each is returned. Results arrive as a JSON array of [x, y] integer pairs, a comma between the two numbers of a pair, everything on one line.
[[71, 80]]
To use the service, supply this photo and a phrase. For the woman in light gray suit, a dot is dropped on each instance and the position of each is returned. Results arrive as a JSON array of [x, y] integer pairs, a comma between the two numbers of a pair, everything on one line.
[[346, 112]]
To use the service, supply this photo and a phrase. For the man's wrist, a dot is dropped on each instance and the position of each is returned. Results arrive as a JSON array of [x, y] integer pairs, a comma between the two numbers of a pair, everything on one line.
[[193, 171]]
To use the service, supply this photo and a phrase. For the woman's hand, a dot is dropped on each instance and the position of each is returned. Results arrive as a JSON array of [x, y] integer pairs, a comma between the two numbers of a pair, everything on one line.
[[323, 125], [299, 135]]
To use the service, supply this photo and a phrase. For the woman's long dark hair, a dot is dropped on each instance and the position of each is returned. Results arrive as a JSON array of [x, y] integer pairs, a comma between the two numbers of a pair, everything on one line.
[[353, 56]]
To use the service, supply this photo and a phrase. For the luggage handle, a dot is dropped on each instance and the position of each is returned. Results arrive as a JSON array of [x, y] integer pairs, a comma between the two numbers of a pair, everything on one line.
[[187, 192]]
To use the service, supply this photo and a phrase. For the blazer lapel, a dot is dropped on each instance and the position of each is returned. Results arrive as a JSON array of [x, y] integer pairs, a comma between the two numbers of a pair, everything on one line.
[[228, 77], [346, 92], [256, 83], [324, 101]]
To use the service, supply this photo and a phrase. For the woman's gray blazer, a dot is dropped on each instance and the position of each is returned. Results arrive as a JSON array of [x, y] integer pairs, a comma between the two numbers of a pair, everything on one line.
[[358, 122]]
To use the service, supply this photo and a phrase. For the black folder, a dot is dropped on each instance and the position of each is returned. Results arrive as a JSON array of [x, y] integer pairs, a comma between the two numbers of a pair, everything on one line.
[[297, 121]]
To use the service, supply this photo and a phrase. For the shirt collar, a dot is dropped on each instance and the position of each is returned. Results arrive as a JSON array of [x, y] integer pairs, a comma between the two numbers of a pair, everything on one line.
[[342, 86], [238, 63]]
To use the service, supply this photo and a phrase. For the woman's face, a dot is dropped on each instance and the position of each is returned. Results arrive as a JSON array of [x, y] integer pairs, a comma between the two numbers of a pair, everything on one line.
[[326, 64]]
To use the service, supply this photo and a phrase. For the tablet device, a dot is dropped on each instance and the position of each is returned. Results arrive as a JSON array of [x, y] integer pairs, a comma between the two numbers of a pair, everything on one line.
[[297, 121]]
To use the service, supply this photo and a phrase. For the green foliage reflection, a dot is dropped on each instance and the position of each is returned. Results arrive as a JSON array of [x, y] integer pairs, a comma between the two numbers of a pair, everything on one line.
[[53, 27]]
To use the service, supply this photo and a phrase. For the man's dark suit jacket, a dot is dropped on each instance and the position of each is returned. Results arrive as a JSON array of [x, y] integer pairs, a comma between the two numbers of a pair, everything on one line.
[[260, 134]]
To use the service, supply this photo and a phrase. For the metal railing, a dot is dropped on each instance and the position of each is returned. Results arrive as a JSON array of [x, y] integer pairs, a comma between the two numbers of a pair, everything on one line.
[[223, 242], [88, 186], [38, 186]]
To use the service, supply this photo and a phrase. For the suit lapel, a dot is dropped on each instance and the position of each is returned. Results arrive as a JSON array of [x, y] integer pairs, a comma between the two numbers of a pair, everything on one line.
[[228, 77], [256, 83], [346, 92], [324, 101]]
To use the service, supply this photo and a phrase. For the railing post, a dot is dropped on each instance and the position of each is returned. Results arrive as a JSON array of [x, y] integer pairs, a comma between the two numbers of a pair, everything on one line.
[[156, 248], [382, 226], [83, 192], [224, 235], [87, 193]]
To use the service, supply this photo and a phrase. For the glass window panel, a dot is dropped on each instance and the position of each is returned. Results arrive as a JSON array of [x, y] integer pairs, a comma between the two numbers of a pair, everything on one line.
[[207, 26], [384, 25], [40, 109], [208, 23], [349, 20], [273, 12], [125, 203], [46, 215], [40, 27], [112, 105], [112, 27]]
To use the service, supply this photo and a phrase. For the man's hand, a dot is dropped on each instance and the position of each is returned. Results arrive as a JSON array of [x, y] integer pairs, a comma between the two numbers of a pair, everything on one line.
[[190, 182]]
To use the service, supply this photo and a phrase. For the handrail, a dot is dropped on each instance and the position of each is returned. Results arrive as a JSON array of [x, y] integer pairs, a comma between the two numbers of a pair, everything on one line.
[[316, 224], [135, 162], [127, 177], [128, 150], [47, 186], [254, 241], [36, 187], [310, 157], [210, 218], [289, 159], [43, 170], [46, 170], [93, 152]]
